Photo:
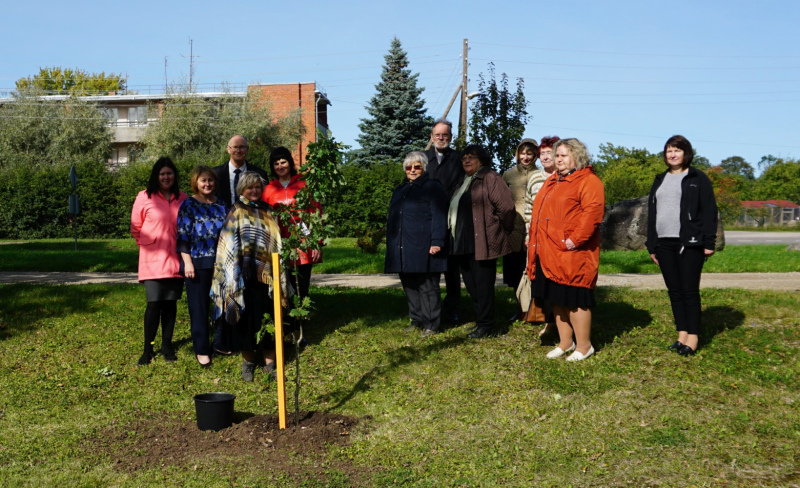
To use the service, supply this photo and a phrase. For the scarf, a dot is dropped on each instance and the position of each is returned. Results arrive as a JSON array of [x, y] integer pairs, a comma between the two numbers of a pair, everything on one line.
[[244, 254], [452, 214]]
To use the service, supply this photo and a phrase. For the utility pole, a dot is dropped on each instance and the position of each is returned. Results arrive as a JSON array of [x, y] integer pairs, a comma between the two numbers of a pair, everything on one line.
[[166, 86], [462, 119], [191, 63]]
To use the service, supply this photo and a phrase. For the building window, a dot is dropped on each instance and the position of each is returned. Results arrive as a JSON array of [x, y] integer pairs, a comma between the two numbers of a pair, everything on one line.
[[111, 114], [137, 116]]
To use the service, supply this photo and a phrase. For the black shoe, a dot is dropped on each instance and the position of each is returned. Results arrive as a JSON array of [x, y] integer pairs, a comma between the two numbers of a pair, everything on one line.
[[204, 366], [429, 332], [517, 316], [169, 354], [481, 332], [248, 370], [146, 358], [685, 350], [271, 370], [415, 326], [675, 346], [222, 353]]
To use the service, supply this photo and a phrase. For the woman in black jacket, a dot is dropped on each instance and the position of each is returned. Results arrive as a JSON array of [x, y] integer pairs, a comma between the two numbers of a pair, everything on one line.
[[681, 235], [415, 236]]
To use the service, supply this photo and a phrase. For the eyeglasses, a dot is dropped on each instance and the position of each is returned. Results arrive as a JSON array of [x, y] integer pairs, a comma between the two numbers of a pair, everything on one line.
[[238, 148], [415, 167], [442, 136], [468, 157]]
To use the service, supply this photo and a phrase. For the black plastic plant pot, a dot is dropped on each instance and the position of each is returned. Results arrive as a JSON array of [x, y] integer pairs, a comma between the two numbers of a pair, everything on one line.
[[214, 410]]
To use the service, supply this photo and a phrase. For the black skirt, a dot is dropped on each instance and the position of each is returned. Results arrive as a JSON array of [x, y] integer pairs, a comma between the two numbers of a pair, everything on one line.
[[164, 289], [562, 295]]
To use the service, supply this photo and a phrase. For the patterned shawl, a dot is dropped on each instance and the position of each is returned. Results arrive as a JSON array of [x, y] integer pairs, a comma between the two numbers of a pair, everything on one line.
[[244, 253]]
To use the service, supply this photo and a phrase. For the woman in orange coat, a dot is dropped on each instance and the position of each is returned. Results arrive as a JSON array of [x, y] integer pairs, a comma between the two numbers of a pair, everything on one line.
[[564, 249]]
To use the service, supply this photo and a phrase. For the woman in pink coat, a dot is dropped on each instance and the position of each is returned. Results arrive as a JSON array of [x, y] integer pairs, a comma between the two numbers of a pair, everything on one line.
[[154, 225]]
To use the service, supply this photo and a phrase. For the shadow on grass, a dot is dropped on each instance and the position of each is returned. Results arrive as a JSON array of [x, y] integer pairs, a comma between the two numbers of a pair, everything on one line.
[[25, 306], [719, 319], [394, 360], [611, 319]]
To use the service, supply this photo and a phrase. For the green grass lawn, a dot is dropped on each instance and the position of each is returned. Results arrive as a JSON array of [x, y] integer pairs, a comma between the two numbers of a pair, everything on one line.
[[445, 411], [341, 256]]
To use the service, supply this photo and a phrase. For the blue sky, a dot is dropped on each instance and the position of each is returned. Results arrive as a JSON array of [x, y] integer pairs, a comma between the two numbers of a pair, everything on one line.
[[726, 74]]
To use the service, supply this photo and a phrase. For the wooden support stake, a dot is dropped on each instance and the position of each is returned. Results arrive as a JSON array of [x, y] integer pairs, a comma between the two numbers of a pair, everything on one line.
[[276, 294]]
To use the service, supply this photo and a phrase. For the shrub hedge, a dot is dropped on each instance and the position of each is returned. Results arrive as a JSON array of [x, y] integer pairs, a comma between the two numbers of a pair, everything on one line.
[[34, 201]]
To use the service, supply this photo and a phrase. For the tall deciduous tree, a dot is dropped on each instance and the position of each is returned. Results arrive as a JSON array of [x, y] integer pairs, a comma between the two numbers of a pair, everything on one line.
[[63, 81], [498, 117], [39, 131], [397, 121], [780, 181], [188, 124], [736, 165]]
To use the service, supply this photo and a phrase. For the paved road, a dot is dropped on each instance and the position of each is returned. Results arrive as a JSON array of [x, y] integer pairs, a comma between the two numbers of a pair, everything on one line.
[[734, 237], [751, 281]]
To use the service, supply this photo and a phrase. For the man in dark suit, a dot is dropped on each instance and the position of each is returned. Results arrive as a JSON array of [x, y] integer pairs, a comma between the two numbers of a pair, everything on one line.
[[228, 173], [444, 164]]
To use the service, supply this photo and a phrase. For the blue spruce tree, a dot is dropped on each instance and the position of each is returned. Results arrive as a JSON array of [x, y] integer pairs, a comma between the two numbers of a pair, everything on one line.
[[398, 122]]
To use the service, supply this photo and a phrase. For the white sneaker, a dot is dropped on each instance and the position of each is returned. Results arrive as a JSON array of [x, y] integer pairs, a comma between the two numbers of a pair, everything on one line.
[[558, 352], [576, 356]]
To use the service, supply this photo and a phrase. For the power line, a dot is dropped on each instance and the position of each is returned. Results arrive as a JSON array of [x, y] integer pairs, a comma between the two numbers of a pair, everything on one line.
[[664, 68], [660, 137], [700, 56]]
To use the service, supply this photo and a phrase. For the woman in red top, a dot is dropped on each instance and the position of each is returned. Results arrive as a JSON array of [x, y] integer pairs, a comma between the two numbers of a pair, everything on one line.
[[282, 191]]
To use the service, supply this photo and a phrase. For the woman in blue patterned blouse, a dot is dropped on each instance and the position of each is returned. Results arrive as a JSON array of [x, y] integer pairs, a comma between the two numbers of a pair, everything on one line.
[[200, 219]]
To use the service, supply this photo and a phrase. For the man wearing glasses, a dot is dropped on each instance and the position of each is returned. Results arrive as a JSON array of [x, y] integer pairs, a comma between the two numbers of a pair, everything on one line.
[[444, 164], [228, 174]]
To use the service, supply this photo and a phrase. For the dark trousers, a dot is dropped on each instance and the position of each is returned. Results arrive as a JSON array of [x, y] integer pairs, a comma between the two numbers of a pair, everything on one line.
[[422, 294], [452, 286], [197, 298], [681, 271], [479, 278], [514, 265]]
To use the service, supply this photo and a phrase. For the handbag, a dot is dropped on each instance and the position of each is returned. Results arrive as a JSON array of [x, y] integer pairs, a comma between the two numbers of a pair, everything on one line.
[[532, 307]]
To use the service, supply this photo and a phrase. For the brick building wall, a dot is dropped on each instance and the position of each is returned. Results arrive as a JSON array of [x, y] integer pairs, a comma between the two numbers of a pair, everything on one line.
[[285, 98]]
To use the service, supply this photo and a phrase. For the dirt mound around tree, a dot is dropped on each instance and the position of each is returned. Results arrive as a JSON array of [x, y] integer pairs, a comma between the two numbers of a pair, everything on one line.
[[161, 440]]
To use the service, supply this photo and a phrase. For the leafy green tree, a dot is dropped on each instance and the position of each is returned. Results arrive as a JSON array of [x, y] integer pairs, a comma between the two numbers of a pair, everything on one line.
[[767, 161], [626, 172], [36, 130], [727, 191], [397, 122], [307, 228], [193, 126], [63, 81], [498, 118], [736, 165], [780, 181]]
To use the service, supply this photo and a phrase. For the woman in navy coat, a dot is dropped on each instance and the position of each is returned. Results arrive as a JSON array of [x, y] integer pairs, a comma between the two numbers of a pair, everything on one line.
[[415, 237]]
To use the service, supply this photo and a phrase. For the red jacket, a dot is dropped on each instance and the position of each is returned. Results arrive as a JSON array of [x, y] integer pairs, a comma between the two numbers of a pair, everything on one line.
[[572, 208], [275, 195]]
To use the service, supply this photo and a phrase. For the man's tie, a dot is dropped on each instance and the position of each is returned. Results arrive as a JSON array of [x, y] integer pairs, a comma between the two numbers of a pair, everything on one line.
[[236, 172]]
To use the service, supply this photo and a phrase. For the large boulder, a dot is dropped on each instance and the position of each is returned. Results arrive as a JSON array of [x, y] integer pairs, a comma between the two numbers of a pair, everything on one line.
[[625, 226]]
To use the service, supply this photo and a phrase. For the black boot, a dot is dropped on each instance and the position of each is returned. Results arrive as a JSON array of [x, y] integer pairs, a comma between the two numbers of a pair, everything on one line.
[[151, 316], [169, 312]]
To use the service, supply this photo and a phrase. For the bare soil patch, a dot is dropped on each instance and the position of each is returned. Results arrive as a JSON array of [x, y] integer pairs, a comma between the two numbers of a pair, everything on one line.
[[161, 439]]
